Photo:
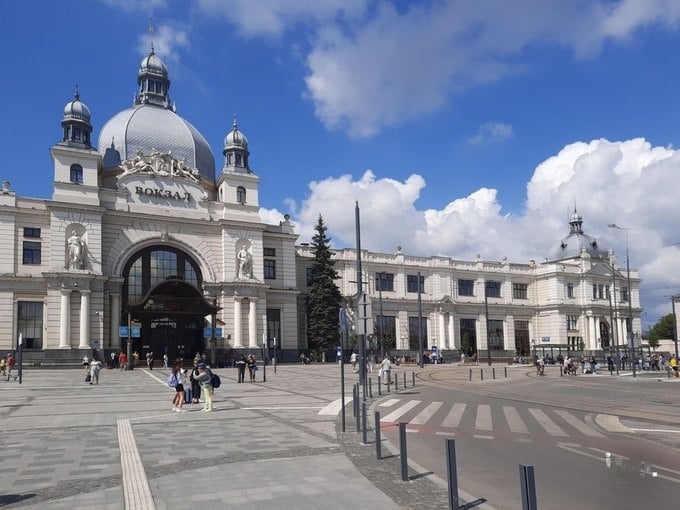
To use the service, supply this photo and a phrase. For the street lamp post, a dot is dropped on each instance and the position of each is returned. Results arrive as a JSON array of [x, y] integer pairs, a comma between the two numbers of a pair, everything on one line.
[[420, 322], [381, 323], [486, 312], [675, 326], [629, 328]]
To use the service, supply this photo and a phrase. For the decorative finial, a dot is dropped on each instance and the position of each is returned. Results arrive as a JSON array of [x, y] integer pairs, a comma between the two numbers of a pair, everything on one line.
[[235, 124], [151, 31], [77, 95]]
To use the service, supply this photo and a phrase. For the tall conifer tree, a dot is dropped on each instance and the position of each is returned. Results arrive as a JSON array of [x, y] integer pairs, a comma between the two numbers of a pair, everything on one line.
[[325, 299]]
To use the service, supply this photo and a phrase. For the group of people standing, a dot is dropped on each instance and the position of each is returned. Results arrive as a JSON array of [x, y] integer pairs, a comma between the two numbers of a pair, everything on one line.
[[7, 365], [250, 363], [189, 386], [384, 369]]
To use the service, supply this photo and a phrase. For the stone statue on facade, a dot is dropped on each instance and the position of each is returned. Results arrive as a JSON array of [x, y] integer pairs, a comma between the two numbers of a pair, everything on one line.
[[160, 164], [245, 264], [76, 251]]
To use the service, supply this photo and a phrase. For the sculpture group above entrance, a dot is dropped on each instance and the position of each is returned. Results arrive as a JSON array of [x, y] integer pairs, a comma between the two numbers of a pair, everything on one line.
[[159, 164]]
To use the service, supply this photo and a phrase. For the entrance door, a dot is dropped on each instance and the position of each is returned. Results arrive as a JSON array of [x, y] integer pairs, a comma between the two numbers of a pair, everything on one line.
[[604, 335], [178, 337]]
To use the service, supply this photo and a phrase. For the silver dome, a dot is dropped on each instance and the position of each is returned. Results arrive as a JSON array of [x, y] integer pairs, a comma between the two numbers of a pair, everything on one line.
[[153, 64], [235, 138], [576, 243], [147, 126], [77, 110]]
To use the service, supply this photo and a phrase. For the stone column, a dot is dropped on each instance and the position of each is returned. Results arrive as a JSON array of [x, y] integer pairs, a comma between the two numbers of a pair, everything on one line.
[[114, 341], [84, 319], [65, 320], [592, 335], [238, 341], [442, 331], [252, 323], [452, 333]]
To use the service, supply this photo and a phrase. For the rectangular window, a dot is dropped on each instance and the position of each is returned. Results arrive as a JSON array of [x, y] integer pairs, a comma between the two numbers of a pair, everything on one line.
[[572, 322], [77, 174], [466, 287], [519, 290], [32, 252], [384, 281], [273, 329], [269, 269], [412, 283], [31, 232], [624, 293], [594, 290], [413, 341], [606, 292], [388, 325], [269, 252], [496, 339], [570, 290], [468, 336], [493, 289], [30, 323]]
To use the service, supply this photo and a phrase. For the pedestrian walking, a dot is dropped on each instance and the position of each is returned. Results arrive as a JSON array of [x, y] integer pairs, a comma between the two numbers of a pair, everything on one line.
[[3, 371], [165, 361], [122, 361], [385, 368], [195, 385], [149, 360], [241, 368], [252, 367], [353, 360], [176, 381], [95, 368], [9, 366], [204, 378]]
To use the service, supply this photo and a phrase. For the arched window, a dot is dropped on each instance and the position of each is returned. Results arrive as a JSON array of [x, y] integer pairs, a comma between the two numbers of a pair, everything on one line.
[[154, 265], [241, 195], [77, 174]]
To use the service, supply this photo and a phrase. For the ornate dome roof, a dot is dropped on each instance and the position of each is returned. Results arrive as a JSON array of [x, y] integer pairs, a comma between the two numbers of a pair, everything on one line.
[[152, 124], [576, 243], [76, 110], [235, 138]]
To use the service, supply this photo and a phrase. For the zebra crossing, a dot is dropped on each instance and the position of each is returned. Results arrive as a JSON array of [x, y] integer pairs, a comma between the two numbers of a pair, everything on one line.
[[483, 420]]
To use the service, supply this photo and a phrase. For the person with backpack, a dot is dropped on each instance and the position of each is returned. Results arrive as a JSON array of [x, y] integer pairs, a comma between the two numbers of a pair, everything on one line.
[[204, 378], [176, 381], [195, 385]]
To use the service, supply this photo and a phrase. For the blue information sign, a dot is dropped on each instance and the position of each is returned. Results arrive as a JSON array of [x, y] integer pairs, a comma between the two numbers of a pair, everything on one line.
[[135, 331]]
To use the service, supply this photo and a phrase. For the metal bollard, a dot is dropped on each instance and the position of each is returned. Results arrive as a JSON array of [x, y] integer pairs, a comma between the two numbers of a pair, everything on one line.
[[402, 451], [364, 436], [370, 388], [389, 381], [481, 371], [358, 412], [506, 372], [493, 373], [379, 388], [561, 371], [528, 487], [354, 400], [413, 376], [404, 380], [396, 382], [470, 377], [378, 439], [452, 472]]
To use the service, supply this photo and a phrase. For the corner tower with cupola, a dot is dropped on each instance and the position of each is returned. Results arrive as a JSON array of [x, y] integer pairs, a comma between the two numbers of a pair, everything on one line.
[[237, 185]]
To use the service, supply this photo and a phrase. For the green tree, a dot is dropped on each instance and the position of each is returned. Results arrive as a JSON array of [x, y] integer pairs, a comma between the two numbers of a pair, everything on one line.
[[323, 304], [662, 329]]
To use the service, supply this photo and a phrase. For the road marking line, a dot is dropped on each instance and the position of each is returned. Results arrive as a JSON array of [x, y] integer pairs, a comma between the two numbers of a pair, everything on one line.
[[398, 413], [449, 434], [479, 436], [483, 421], [148, 372], [334, 407], [514, 420], [611, 423], [657, 430], [136, 489], [578, 424], [389, 403], [277, 408], [427, 413], [454, 416], [548, 425]]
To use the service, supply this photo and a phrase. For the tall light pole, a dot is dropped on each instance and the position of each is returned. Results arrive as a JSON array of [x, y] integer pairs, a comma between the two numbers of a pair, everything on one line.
[[630, 289], [675, 326], [486, 312], [420, 322], [381, 323]]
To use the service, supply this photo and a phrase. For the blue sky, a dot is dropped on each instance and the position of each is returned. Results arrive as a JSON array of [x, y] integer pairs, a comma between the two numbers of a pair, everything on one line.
[[460, 127]]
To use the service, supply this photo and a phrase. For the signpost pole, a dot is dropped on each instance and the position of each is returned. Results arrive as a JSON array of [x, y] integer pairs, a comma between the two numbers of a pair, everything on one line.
[[130, 361]]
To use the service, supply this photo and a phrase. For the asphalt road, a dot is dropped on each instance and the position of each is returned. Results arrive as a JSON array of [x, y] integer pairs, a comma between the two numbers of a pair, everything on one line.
[[594, 441]]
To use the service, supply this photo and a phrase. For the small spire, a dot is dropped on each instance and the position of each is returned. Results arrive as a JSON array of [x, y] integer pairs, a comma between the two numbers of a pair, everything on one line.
[[77, 94], [235, 124], [151, 31]]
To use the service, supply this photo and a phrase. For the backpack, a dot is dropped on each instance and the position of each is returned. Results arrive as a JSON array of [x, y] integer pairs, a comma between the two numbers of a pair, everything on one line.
[[215, 381], [172, 380]]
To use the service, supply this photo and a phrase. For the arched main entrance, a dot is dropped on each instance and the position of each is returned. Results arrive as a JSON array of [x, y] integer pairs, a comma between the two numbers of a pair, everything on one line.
[[161, 295]]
